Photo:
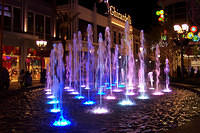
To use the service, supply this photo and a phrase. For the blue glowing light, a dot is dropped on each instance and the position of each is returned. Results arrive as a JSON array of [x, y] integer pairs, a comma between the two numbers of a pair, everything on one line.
[[53, 102], [79, 97], [113, 84], [106, 83], [101, 93], [89, 102], [109, 87], [121, 86], [110, 97], [117, 90], [62, 122], [55, 110]]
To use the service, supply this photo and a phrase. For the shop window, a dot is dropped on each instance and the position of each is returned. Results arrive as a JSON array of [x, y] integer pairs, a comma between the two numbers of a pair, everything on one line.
[[33, 62], [39, 21], [136, 48], [83, 28], [101, 30], [114, 37], [48, 28], [7, 17], [119, 39], [11, 56], [30, 22], [17, 19]]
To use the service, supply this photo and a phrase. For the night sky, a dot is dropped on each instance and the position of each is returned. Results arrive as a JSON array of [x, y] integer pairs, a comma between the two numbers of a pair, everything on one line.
[[141, 11]]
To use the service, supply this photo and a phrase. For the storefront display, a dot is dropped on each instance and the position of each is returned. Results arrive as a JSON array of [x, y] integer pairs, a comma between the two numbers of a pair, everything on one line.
[[11, 57], [33, 63]]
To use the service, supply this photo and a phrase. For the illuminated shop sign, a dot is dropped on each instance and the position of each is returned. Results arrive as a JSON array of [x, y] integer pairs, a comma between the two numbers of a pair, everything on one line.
[[118, 15]]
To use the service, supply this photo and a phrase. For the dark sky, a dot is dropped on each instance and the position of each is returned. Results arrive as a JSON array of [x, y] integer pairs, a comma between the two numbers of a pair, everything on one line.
[[141, 11]]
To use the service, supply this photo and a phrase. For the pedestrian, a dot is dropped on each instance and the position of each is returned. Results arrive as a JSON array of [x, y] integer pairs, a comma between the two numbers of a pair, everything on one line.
[[21, 79], [28, 79], [5, 78]]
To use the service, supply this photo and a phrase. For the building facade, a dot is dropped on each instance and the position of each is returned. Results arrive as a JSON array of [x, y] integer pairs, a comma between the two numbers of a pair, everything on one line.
[[26, 21], [75, 15]]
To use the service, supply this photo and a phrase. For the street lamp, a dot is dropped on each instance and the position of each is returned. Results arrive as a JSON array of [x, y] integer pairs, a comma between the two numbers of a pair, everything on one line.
[[181, 41], [181, 29], [41, 44]]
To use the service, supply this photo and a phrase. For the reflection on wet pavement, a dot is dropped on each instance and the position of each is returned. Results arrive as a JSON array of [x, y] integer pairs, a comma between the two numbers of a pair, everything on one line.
[[28, 112]]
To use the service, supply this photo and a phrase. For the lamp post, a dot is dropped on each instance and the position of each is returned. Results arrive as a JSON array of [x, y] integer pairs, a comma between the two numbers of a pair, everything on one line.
[[41, 44], [181, 41]]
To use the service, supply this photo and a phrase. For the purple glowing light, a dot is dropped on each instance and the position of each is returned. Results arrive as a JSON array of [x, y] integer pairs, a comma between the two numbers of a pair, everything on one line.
[[130, 93], [100, 110], [167, 90], [74, 93], [70, 90], [110, 97], [117, 90], [158, 93], [67, 87], [83, 86], [126, 102]]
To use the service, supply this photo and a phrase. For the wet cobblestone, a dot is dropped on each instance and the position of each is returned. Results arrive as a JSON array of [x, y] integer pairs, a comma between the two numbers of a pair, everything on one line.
[[28, 113]]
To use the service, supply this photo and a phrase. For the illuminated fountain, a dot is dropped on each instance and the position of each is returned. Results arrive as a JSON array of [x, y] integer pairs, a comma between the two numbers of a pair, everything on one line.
[[108, 63], [48, 83], [75, 65], [130, 75], [167, 89], [58, 84], [100, 77], [89, 65], [52, 81], [69, 70], [157, 53], [100, 68], [141, 72], [129, 69], [80, 96], [116, 70], [122, 67], [150, 75]]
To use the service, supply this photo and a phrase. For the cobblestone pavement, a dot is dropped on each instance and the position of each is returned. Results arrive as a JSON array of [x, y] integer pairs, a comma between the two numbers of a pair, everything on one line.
[[27, 112]]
